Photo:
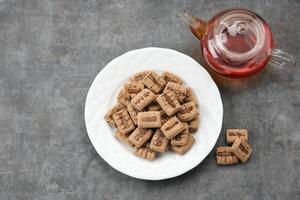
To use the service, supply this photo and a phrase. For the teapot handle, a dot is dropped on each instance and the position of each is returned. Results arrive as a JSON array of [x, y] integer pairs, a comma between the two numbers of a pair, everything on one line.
[[280, 58]]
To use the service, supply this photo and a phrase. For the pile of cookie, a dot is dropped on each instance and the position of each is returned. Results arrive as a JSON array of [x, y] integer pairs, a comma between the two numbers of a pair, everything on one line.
[[240, 149], [155, 113]]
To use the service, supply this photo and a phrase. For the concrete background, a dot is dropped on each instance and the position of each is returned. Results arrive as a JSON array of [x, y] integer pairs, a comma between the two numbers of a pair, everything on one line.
[[50, 52]]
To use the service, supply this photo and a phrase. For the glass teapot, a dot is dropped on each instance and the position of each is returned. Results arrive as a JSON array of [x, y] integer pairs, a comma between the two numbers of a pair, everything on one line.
[[236, 42]]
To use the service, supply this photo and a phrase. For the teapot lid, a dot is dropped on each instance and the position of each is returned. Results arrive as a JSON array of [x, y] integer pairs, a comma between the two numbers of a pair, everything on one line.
[[239, 35]]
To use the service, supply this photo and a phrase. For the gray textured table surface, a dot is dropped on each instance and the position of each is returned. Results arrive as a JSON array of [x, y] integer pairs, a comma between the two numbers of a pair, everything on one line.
[[49, 55]]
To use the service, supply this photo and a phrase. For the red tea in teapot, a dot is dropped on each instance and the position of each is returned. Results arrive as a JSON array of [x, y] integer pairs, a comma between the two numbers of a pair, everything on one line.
[[236, 42]]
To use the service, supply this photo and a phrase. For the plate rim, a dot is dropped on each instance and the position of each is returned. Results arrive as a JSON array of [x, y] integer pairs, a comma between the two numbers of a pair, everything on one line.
[[161, 177]]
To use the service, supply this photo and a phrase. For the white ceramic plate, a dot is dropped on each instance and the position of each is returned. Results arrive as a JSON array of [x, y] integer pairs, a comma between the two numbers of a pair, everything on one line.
[[102, 96]]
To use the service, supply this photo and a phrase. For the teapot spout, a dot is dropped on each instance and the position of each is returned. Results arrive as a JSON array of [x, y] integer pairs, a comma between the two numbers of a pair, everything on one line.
[[196, 25]]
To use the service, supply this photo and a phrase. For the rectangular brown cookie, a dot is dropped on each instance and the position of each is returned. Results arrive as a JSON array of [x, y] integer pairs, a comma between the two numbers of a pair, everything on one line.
[[133, 113], [133, 88], [168, 102], [122, 138], [233, 134], [109, 115], [241, 149], [190, 96], [123, 122], [170, 77], [179, 90], [154, 82], [188, 112], [140, 136], [123, 97], [159, 142], [182, 149], [224, 156], [181, 138], [138, 77], [172, 127], [142, 99], [149, 119], [145, 152], [194, 125]]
